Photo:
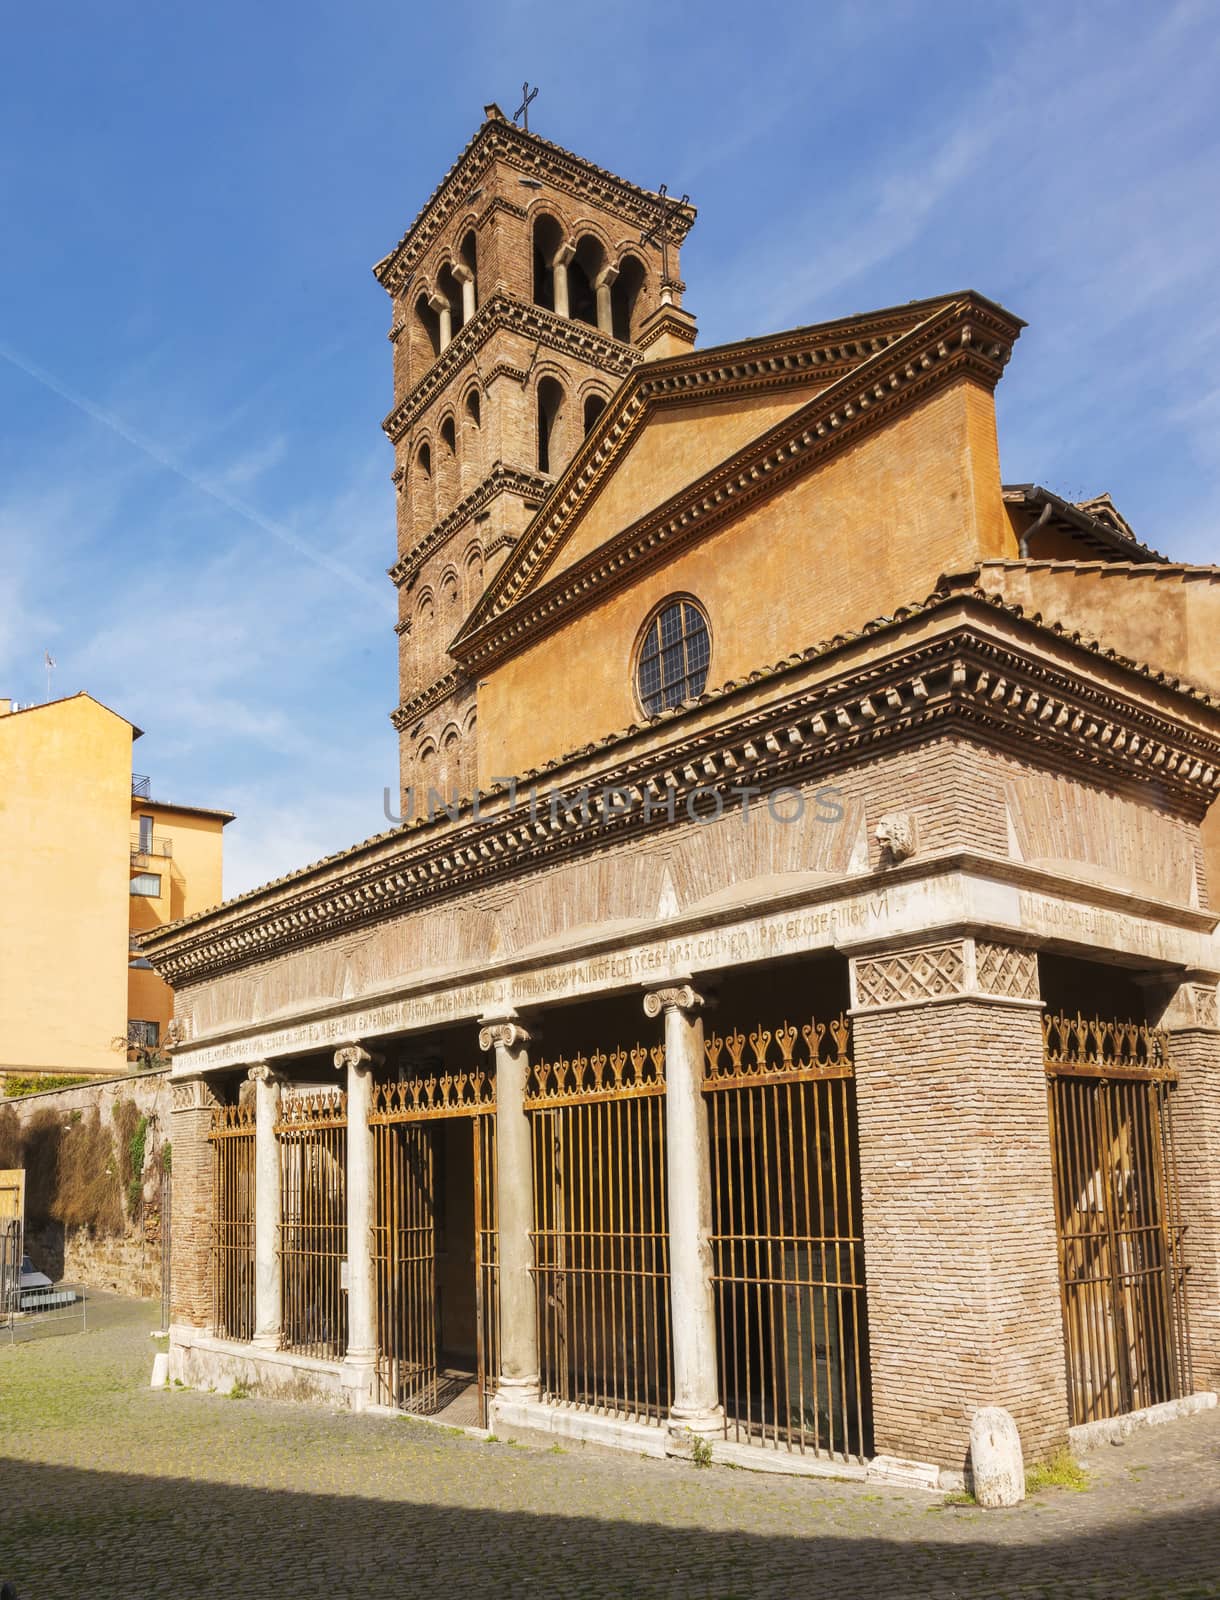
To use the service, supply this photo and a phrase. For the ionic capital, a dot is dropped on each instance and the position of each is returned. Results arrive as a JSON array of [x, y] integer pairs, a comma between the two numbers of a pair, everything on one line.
[[681, 997], [262, 1072], [355, 1055], [503, 1035]]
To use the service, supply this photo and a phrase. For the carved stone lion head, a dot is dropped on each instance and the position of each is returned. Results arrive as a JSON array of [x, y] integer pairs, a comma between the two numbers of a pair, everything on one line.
[[895, 833]]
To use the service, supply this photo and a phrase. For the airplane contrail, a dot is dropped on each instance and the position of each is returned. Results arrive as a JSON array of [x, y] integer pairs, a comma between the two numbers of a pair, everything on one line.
[[155, 452]]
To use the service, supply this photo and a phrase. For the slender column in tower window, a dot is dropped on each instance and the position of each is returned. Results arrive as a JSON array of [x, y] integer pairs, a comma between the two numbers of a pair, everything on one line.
[[605, 311], [440, 305]]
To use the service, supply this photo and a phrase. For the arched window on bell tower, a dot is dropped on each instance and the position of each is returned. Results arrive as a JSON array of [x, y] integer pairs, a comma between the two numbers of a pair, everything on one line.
[[548, 241], [430, 323], [583, 271], [595, 404], [625, 295], [450, 290], [550, 405], [468, 252]]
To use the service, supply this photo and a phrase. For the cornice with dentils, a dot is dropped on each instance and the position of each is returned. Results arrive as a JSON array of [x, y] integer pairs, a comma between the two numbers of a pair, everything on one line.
[[966, 336], [501, 311], [499, 139], [965, 664]]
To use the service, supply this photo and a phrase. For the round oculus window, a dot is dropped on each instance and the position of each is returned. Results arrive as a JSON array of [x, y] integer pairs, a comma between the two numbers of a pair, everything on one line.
[[673, 656]]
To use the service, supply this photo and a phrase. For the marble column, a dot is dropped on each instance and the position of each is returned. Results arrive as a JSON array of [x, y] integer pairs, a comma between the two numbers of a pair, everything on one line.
[[518, 1376], [268, 1299], [696, 1400], [465, 277], [360, 1362], [440, 305], [559, 271], [605, 310]]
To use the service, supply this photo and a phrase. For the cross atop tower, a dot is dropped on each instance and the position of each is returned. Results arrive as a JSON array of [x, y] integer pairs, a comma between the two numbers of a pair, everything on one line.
[[523, 110]]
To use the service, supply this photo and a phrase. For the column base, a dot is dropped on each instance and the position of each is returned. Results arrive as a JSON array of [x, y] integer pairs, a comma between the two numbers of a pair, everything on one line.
[[514, 1390], [267, 1341], [686, 1425], [358, 1377]]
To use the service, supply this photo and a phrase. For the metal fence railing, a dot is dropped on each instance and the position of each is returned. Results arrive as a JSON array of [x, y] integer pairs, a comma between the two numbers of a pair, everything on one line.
[[33, 1313]]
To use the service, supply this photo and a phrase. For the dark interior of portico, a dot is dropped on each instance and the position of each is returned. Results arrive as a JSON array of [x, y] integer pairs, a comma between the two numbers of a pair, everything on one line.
[[1093, 988]]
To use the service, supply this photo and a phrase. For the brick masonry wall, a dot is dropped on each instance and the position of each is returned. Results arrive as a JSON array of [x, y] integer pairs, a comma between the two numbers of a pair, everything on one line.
[[190, 1282], [1195, 1052], [126, 1263], [959, 1236]]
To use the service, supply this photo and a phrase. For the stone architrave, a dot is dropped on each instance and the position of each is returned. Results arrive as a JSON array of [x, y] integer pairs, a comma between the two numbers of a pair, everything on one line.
[[696, 1407], [518, 1375]]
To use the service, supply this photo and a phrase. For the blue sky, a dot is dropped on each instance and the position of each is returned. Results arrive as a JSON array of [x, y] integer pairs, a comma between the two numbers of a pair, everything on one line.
[[195, 505]]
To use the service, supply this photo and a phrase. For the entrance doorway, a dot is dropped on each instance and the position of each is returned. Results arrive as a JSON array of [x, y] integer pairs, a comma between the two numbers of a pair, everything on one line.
[[1122, 1270], [434, 1245]]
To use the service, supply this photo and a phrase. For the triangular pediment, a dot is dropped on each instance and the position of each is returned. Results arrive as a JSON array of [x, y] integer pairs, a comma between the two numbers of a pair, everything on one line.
[[828, 385]]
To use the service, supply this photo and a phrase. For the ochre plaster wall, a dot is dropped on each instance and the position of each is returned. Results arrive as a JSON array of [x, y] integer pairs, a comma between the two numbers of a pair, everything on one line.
[[1168, 617], [869, 531], [190, 882], [676, 445], [65, 802]]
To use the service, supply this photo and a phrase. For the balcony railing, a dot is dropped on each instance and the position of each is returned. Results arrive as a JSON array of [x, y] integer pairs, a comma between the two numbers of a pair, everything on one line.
[[159, 846], [141, 786]]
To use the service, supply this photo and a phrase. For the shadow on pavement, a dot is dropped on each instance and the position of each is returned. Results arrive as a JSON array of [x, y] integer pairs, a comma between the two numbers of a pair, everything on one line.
[[66, 1533]]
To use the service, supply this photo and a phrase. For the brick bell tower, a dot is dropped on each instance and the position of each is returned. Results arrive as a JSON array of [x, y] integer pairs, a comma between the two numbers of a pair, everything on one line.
[[527, 288]]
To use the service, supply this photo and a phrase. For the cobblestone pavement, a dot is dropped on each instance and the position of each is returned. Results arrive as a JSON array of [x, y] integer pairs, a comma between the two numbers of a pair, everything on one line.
[[108, 1488]]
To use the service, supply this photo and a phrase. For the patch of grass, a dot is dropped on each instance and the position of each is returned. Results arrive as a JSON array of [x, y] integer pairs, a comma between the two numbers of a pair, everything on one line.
[[1061, 1471], [239, 1391], [959, 1497], [701, 1452], [17, 1087]]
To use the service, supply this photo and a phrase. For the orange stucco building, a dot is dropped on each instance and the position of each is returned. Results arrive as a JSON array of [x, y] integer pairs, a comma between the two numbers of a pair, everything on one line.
[[87, 863]]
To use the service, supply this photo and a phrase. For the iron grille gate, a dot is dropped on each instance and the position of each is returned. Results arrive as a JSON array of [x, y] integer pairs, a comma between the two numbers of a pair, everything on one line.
[[232, 1139], [312, 1135], [787, 1245], [601, 1231], [405, 1119], [1122, 1269]]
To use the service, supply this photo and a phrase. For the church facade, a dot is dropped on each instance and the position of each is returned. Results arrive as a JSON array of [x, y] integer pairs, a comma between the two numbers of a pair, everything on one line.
[[785, 1020]]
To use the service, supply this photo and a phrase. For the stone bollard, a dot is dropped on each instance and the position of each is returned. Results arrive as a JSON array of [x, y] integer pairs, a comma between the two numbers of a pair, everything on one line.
[[997, 1465], [160, 1371]]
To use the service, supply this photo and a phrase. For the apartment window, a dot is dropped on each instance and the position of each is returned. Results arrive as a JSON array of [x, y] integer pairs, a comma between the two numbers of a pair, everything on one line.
[[146, 836], [148, 883], [143, 1033]]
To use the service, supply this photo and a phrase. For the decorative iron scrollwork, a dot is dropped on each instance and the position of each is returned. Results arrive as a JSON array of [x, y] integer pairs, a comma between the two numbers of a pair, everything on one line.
[[819, 1050]]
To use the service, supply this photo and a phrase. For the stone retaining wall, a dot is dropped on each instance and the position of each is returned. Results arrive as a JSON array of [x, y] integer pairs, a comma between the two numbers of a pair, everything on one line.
[[128, 1262]]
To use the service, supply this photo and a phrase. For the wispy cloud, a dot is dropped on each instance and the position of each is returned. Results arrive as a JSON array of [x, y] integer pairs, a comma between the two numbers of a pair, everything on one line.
[[214, 488]]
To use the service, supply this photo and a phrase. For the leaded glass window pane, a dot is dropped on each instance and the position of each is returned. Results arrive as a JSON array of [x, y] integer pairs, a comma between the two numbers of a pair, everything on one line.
[[674, 657]]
